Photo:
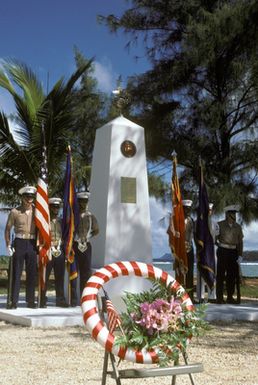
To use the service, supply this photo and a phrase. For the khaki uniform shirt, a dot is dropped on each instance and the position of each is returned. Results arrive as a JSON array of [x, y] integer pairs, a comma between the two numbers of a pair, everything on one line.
[[23, 221], [189, 230], [56, 231], [230, 235], [88, 226]]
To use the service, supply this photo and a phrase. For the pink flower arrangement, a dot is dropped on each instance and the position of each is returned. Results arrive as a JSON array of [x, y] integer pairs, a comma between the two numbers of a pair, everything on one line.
[[160, 315], [159, 320]]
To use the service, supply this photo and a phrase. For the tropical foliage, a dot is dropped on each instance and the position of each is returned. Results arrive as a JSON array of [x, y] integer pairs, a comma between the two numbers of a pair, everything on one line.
[[200, 96], [21, 142]]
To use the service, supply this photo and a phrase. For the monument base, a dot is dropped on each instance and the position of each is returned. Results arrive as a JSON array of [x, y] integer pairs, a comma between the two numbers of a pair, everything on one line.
[[117, 287]]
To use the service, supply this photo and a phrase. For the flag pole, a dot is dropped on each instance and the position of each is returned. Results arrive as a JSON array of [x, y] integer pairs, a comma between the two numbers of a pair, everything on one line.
[[201, 170], [69, 284], [68, 263], [39, 285], [179, 277]]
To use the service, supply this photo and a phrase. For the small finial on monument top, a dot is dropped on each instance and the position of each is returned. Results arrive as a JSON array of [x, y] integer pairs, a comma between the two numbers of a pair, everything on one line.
[[174, 154], [121, 96], [118, 89]]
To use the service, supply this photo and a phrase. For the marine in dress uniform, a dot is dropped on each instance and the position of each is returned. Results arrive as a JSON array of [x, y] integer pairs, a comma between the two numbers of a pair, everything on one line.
[[189, 234], [229, 239], [21, 219], [87, 228], [57, 262]]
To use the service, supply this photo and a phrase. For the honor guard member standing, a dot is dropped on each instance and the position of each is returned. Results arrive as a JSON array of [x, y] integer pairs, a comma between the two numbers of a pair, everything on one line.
[[21, 219], [189, 234], [87, 228], [229, 239], [57, 262]]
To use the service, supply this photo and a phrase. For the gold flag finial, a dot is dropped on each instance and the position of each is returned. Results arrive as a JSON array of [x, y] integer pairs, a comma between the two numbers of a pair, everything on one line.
[[174, 154], [122, 97]]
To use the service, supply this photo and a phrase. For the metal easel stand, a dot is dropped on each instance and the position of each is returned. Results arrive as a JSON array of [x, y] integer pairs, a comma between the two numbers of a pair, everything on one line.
[[114, 373], [173, 371]]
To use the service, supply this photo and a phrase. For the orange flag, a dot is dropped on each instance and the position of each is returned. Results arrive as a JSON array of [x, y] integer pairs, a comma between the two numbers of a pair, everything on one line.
[[176, 229]]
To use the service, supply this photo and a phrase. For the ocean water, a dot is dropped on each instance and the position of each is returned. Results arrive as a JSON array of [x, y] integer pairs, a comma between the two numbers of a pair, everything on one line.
[[249, 269]]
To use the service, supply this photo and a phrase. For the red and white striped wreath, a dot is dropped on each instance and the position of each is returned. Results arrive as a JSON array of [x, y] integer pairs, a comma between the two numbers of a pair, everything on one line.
[[95, 325]]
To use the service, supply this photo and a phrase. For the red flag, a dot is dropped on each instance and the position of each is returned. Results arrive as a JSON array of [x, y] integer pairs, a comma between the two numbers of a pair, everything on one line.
[[176, 229], [42, 220], [113, 317]]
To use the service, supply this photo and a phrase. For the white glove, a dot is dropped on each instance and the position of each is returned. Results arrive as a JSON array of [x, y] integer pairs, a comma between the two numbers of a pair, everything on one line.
[[217, 229], [10, 251], [239, 259]]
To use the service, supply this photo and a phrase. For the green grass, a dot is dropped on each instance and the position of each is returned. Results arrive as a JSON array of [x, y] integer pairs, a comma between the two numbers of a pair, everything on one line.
[[249, 288], [4, 261]]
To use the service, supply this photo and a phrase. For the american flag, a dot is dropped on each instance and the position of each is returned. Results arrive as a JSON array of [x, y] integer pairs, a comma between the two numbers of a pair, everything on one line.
[[114, 319], [42, 220]]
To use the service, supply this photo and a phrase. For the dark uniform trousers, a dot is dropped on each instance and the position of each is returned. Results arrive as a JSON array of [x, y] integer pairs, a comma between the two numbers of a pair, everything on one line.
[[189, 280], [83, 265], [227, 269], [58, 265], [25, 250]]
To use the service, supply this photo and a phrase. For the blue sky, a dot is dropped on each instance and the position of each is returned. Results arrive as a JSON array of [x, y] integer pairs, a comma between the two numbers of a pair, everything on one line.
[[42, 34]]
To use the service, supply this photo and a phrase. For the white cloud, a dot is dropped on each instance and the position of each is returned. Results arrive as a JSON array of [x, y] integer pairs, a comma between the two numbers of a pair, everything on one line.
[[105, 75], [250, 236], [159, 225]]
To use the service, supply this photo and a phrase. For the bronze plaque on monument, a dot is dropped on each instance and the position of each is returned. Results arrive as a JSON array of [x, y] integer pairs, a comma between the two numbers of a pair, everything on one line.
[[128, 190]]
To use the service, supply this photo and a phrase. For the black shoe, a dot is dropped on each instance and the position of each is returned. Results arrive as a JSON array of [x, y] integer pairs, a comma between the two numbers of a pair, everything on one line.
[[31, 305], [11, 306], [74, 302], [43, 305], [62, 304], [220, 302], [212, 300], [232, 301]]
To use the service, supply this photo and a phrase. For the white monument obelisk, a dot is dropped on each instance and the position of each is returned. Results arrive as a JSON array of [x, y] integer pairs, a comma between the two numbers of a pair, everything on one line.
[[119, 194], [120, 201]]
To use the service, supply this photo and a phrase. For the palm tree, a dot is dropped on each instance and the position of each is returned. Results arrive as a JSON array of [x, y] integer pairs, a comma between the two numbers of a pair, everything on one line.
[[21, 146]]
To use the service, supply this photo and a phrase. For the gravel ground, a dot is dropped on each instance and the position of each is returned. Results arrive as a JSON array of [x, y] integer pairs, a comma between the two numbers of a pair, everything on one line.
[[58, 356]]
